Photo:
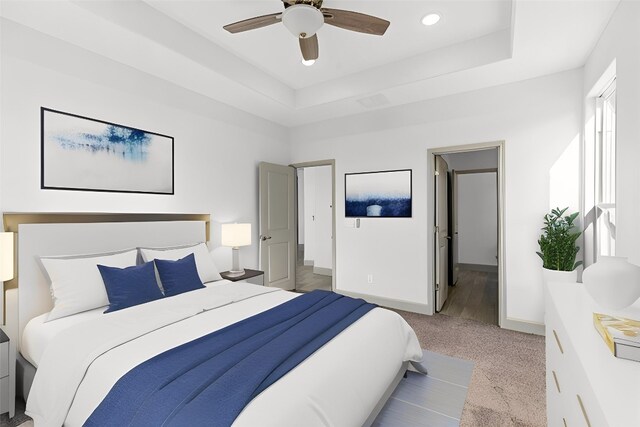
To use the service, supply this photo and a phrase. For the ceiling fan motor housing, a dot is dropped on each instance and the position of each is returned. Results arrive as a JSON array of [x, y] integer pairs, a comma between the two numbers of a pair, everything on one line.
[[302, 20]]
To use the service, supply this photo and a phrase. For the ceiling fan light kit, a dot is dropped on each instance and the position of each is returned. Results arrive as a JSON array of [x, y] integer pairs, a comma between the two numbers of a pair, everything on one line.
[[302, 20]]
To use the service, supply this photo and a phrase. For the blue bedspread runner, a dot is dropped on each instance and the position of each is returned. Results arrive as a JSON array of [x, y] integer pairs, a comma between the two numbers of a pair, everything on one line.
[[210, 380]]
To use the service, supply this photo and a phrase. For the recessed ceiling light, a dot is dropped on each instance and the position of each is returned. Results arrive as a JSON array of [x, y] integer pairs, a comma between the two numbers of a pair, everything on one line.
[[308, 63], [431, 19]]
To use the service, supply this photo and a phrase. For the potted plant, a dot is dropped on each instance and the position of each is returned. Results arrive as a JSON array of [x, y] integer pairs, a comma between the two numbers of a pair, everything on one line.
[[558, 247]]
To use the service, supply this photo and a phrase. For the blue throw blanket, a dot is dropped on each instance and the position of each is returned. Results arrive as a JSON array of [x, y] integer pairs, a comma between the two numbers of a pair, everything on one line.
[[210, 380]]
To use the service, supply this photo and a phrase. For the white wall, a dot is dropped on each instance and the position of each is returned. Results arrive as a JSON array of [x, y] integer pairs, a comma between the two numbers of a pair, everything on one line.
[[309, 216], [323, 223], [478, 218], [318, 244], [217, 148], [538, 119], [620, 42]]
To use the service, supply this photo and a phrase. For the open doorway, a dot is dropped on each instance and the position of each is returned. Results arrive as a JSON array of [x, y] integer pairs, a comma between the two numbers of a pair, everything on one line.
[[314, 265], [466, 214], [283, 194]]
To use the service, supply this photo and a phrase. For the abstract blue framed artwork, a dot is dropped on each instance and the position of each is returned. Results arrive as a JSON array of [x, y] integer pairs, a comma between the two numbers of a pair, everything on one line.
[[80, 153], [384, 194]]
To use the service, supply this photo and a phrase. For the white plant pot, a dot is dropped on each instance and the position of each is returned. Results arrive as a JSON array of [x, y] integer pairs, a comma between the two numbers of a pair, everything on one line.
[[612, 282], [559, 276]]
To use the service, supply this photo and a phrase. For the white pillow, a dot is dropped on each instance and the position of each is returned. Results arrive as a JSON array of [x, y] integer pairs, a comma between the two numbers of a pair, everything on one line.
[[76, 283], [207, 269]]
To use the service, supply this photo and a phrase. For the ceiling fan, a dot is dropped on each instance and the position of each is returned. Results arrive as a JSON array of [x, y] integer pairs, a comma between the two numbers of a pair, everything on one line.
[[303, 18]]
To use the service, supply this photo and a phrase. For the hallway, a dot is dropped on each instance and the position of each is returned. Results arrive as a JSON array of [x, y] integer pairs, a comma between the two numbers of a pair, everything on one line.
[[306, 279], [474, 297]]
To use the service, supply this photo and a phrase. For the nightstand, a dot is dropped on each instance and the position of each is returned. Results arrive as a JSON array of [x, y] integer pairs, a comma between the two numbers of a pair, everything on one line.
[[7, 375], [251, 276]]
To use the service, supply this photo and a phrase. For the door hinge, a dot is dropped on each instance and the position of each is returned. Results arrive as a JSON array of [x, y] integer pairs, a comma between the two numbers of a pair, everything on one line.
[[437, 173], [436, 229], [437, 286]]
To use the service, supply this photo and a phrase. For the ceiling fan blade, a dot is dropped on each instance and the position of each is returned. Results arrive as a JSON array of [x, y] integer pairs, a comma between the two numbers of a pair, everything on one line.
[[253, 23], [355, 21], [309, 47]]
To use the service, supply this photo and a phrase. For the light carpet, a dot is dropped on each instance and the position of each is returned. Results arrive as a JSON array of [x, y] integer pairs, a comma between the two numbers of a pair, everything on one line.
[[508, 383]]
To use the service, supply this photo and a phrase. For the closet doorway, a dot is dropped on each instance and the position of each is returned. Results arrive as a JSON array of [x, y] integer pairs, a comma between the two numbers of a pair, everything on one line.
[[315, 227], [297, 225], [466, 213]]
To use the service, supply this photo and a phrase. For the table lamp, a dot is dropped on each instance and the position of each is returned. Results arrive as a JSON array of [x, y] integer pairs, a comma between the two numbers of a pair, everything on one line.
[[236, 235]]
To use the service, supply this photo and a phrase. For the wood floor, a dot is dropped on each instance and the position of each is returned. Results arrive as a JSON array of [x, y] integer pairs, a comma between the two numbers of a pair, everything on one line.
[[475, 297], [306, 279]]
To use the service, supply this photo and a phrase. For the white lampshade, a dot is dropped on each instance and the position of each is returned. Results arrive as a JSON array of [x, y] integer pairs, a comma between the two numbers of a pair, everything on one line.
[[236, 235], [6, 256], [302, 20]]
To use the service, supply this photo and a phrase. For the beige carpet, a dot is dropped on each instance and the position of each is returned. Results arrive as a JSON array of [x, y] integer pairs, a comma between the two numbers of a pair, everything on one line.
[[508, 383]]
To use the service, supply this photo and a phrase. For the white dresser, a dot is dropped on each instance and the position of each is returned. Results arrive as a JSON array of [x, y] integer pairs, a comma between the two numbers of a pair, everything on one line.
[[586, 384]]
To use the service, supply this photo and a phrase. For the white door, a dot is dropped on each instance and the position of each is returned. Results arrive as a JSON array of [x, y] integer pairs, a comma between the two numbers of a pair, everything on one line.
[[441, 233], [454, 225], [277, 225]]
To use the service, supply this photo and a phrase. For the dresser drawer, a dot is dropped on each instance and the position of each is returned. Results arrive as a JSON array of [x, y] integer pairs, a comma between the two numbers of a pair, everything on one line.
[[556, 416], [561, 399], [4, 359], [4, 395], [589, 412]]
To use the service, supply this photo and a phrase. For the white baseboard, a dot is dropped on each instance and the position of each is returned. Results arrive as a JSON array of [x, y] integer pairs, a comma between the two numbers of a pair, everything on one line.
[[525, 326], [478, 267], [323, 271], [308, 263], [512, 324], [390, 302]]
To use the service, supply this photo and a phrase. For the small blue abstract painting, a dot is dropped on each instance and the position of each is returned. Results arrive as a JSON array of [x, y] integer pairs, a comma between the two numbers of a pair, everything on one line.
[[79, 153], [385, 194]]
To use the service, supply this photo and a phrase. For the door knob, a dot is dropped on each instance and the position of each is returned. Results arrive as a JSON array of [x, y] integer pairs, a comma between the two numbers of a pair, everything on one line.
[[263, 238]]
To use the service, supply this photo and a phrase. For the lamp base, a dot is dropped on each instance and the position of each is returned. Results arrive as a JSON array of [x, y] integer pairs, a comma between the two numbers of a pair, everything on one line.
[[235, 273]]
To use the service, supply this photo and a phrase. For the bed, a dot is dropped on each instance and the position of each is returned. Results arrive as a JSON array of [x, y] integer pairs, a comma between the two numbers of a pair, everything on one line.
[[80, 358]]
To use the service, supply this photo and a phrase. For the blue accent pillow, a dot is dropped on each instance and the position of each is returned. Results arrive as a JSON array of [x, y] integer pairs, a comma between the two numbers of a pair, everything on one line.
[[178, 276], [130, 286]]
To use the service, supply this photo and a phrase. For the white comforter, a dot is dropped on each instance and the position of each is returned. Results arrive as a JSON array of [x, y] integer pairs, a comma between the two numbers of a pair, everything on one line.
[[339, 385]]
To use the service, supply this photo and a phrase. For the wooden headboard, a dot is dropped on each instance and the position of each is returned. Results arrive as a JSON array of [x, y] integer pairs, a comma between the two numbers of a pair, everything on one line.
[[84, 233]]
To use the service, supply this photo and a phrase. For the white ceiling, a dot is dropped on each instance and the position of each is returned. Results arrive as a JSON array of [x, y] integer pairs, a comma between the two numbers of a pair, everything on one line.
[[477, 44], [274, 50]]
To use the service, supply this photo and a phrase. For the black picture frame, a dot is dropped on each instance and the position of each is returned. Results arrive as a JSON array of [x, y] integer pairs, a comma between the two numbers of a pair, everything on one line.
[[52, 153], [398, 203]]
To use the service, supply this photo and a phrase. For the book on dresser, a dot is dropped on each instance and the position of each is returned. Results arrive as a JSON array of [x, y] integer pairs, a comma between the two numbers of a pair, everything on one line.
[[621, 335]]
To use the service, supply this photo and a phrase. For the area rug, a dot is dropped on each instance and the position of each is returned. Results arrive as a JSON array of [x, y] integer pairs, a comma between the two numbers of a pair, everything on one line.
[[508, 383], [436, 399]]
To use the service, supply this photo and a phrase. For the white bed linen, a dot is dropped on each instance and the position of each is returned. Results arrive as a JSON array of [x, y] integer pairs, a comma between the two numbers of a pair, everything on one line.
[[339, 385], [39, 333]]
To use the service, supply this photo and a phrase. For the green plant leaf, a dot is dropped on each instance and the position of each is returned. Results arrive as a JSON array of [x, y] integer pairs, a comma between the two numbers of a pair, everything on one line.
[[557, 243]]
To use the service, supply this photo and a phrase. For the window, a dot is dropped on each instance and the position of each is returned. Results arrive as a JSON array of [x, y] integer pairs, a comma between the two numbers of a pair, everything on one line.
[[605, 173]]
